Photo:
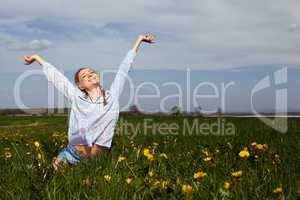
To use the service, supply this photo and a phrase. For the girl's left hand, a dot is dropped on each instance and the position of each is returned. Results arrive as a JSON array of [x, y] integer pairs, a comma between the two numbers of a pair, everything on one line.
[[147, 37]]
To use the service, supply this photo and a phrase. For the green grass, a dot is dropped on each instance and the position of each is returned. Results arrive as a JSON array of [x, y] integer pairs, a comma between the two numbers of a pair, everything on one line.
[[24, 176]]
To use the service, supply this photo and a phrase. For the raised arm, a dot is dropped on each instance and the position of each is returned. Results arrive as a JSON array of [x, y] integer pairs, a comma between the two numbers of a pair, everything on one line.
[[117, 86], [53, 75]]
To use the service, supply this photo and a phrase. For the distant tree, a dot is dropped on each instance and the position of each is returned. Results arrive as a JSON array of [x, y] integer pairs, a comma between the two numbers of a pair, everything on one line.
[[134, 109], [198, 110], [219, 111], [175, 110]]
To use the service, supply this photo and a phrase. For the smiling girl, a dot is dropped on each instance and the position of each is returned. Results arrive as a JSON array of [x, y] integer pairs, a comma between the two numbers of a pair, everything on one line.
[[94, 111]]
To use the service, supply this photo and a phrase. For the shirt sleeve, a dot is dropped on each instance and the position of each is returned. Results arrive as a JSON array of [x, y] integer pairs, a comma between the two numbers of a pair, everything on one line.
[[62, 84], [117, 86]]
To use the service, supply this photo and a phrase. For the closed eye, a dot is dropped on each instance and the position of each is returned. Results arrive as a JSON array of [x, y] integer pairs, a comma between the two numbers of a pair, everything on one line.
[[90, 72]]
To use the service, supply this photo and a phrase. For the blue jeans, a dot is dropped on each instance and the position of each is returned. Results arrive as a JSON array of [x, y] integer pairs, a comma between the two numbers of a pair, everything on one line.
[[70, 155]]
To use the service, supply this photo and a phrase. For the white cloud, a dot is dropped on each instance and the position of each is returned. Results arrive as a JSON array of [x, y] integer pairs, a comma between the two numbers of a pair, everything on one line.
[[13, 43], [293, 27], [33, 45]]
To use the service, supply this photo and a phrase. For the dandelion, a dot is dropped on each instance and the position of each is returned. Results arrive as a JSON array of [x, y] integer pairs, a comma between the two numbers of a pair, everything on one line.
[[244, 153], [205, 152], [36, 144], [151, 173], [148, 154], [107, 178], [156, 183], [164, 185], [39, 156], [7, 155], [199, 175], [261, 146], [186, 188], [237, 174], [121, 158], [278, 190], [155, 144], [226, 185], [163, 155], [146, 151], [87, 181], [207, 159], [253, 144], [129, 180]]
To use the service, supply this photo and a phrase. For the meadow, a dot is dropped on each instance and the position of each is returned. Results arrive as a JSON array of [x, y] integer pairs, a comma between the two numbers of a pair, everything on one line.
[[256, 162]]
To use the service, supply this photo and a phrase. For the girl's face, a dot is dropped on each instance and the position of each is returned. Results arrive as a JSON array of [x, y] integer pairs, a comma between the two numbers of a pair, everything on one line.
[[88, 78]]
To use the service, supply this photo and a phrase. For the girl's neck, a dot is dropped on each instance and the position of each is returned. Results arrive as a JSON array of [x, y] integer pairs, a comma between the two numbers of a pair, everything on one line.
[[94, 92]]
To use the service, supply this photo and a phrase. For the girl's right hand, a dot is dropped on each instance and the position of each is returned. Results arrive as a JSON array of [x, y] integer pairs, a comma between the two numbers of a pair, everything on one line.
[[30, 59]]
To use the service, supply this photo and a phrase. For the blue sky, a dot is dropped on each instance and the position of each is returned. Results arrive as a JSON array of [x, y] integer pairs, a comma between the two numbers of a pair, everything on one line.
[[217, 36]]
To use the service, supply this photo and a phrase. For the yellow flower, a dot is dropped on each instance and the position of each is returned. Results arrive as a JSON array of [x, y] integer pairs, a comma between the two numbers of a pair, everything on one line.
[[237, 174], [164, 185], [129, 180], [156, 183], [8, 154], [151, 173], [36, 144], [87, 181], [146, 151], [244, 153], [107, 178], [199, 175], [253, 144], [226, 185], [261, 146], [205, 152], [39, 156], [207, 159], [186, 188], [278, 190], [121, 158], [155, 144], [163, 155], [148, 154], [150, 157]]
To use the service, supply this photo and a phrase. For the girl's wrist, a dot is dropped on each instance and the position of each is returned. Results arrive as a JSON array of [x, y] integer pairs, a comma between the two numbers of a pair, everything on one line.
[[140, 39], [38, 59]]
